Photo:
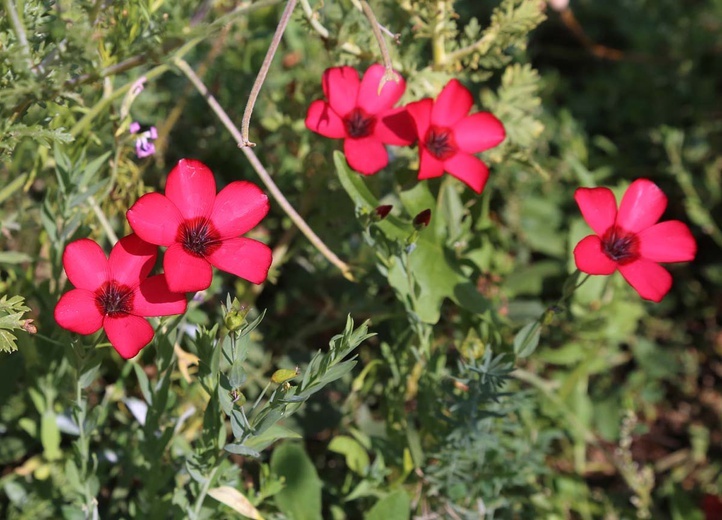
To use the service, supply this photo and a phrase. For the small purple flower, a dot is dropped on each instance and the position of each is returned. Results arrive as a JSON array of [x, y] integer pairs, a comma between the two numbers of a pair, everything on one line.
[[144, 148], [143, 145]]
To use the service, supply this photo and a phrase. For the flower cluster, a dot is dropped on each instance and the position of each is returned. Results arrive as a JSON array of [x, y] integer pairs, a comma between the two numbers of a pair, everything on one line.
[[200, 229], [362, 113]]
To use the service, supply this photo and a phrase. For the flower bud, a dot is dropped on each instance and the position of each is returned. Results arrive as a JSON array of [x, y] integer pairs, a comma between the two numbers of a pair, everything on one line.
[[381, 212], [422, 219], [284, 374]]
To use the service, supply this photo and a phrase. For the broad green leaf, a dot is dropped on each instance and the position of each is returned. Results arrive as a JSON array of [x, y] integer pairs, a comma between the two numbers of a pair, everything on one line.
[[300, 499], [240, 449], [396, 506], [50, 436], [355, 454], [527, 339], [271, 435]]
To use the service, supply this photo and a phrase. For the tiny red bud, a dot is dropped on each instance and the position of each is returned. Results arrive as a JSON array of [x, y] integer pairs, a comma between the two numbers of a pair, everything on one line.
[[382, 212], [422, 219]]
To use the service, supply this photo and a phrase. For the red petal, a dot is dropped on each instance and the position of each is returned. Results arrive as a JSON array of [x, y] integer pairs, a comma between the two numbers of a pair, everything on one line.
[[77, 312], [669, 241], [469, 169], [366, 155], [184, 272], [341, 86], [598, 207], [452, 104], [590, 258], [420, 112], [478, 132], [192, 188], [429, 166], [650, 280], [641, 206], [323, 120], [244, 257], [154, 298], [85, 264], [131, 260], [128, 334], [155, 219], [239, 207], [374, 101], [396, 128]]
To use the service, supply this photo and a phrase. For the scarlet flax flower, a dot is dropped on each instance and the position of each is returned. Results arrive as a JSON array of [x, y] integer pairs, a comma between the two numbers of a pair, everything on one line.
[[361, 113], [449, 137], [630, 239], [202, 229], [115, 293]]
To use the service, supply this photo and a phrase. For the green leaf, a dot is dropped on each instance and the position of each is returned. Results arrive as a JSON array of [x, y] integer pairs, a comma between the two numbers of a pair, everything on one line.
[[527, 339], [271, 435], [50, 436], [432, 274], [355, 454], [396, 506], [143, 383], [300, 499], [241, 449]]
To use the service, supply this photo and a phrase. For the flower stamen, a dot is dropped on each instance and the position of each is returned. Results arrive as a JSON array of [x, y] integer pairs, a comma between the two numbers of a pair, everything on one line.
[[198, 237], [620, 245], [359, 124], [114, 299], [440, 142]]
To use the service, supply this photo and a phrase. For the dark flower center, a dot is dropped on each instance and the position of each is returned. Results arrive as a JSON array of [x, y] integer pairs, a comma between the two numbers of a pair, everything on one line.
[[359, 124], [114, 299], [198, 237], [440, 142], [620, 245]]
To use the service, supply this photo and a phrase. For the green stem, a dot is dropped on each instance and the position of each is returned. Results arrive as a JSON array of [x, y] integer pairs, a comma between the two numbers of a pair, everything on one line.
[[204, 492], [438, 45]]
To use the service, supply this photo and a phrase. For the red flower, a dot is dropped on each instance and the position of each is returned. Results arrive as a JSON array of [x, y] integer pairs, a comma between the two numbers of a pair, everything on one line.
[[362, 115], [630, 239], [712, 507], [202, 229], [448, 137], [115, 293]]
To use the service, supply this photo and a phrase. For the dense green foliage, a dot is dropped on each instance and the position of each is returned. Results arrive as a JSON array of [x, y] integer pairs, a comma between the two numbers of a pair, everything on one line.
[[458, 373]]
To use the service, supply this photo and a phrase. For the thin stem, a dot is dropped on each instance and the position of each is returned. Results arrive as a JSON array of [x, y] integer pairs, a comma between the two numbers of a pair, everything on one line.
[[19, 31], [262, 173], [103, 221], [438, 45], [389, 74], [204, 492], [256, 89]]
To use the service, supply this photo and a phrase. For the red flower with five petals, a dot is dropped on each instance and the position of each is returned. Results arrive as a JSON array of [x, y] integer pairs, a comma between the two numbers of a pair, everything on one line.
[[115, 293], [630, 239], [448, 137], [362, 114], [202, 229]]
